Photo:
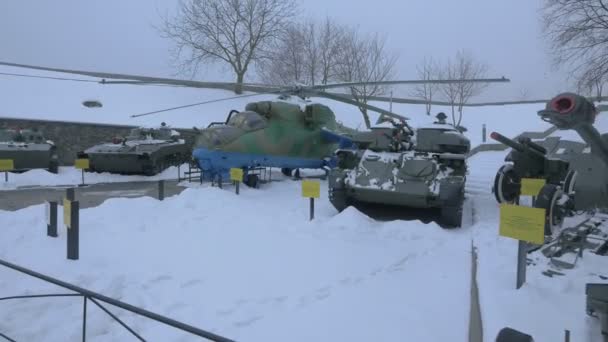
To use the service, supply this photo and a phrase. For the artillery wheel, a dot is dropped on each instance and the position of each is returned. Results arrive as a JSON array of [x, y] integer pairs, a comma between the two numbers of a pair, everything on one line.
[[252, 181], [548, 199], [506, 184]]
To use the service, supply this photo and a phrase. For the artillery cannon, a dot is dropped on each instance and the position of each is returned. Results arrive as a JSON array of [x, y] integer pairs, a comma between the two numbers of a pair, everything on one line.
[[548, 159], [576, 173], [585, 187]]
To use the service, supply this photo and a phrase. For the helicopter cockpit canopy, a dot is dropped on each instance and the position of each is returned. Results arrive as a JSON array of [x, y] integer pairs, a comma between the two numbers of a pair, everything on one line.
[[248, 121]]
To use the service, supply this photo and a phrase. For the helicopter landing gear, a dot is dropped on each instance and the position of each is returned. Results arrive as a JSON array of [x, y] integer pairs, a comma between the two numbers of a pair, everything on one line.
[[507, 184], [550, 198]]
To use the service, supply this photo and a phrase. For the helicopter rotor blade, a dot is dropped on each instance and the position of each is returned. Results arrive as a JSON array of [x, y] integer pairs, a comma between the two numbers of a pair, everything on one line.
[[146, 80], [354, 84], [359, 104], [197, 104]]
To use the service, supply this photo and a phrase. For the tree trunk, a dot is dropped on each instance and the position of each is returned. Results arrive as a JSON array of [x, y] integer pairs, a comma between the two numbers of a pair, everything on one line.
[[368, 123], [238, 88], [453, 114]]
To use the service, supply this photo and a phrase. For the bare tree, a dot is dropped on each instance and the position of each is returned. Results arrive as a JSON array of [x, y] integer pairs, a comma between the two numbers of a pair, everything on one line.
[[364, 59], [235, 32], [450, 90], [428, 70], [306, 53], [463, 67], [578, 32], [286, 64], [591, 87]]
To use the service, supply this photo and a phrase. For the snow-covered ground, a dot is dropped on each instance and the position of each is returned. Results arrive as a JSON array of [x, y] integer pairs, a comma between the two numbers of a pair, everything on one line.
[[62, 100], [250, 267], [71, 176], [544, 307]]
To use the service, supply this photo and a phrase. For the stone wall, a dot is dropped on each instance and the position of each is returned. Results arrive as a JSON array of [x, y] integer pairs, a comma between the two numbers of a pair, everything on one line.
[[73, 137]]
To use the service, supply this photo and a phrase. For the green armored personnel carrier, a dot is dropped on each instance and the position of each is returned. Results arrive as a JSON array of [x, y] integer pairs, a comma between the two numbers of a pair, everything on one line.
[[394, 166], [145, 151], [28, 149]]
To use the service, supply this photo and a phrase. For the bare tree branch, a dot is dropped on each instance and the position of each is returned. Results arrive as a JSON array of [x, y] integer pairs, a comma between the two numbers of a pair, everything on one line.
[[578, 32], [427, 70], [235, 32]]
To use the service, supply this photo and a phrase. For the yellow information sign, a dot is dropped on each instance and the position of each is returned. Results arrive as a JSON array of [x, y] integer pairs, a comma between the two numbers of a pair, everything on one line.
[[531, 186], [522, 223], [311, 188], [82, 164], [7, 165], [236, 174], [67, 212]]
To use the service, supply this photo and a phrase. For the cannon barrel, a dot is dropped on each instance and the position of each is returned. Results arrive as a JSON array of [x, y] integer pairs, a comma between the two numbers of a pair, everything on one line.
[[572, 111], [534, 148]]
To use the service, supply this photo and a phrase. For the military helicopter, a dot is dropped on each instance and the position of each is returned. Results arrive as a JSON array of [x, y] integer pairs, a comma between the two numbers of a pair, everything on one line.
[[289, 133]]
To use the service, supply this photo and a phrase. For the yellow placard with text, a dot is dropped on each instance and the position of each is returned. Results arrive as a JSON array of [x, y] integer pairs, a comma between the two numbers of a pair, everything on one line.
[[236, 174], [7, 165], [82, 164], [531, 186], [311, 189], [522, 223], [67, 213]]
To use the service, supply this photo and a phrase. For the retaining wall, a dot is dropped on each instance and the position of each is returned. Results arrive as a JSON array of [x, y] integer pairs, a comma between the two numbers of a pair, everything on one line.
[[73, 137]]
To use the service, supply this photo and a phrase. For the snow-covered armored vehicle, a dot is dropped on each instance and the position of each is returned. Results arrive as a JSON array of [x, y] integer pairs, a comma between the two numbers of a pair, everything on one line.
[[28, 149], [145, 151], [395, 167]]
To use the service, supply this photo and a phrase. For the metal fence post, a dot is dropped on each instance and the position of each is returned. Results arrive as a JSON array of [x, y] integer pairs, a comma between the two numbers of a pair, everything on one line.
[[483, 133], [312, 208], [70, 194], [73, 232], [51, 219], [161, 190]]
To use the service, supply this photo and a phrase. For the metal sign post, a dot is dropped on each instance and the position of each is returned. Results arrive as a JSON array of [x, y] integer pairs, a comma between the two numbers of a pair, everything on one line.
[[161, 190], [236, 176], [82, 164], [51, 219], [71, 221], [311, 189], [525, 224]]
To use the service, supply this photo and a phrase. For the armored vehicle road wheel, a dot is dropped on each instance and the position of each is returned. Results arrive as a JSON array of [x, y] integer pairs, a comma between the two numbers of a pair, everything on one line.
[[506, 184], [549, 199], [451, 216]]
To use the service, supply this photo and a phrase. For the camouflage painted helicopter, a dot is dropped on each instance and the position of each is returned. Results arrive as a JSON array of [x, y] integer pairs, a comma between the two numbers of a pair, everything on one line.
[[290, 133]]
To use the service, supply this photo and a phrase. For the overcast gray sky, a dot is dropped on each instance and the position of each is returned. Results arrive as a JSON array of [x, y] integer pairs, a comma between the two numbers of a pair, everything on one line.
[[118, 36]]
